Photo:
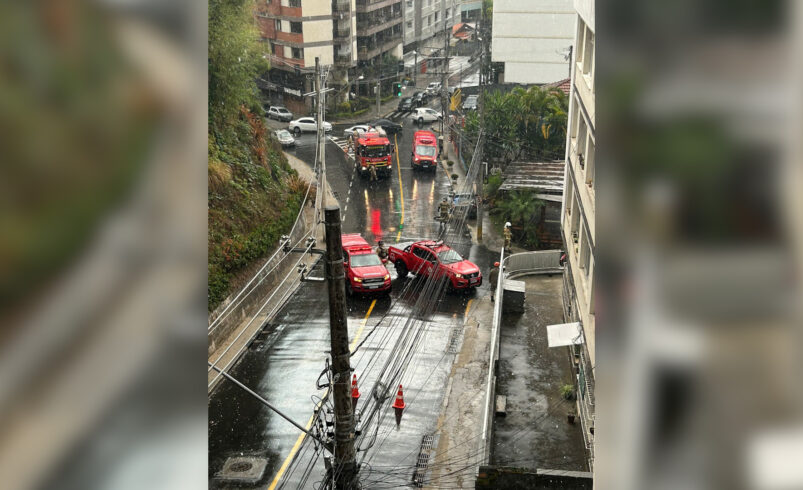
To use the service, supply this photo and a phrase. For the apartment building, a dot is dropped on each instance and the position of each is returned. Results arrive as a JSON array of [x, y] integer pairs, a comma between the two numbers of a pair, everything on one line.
[[379, 30], [578, 213], [533, 39], [298, 31], [424, 19]]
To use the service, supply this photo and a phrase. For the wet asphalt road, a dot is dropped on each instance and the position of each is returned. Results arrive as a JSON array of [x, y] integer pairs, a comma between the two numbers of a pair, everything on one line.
[[287, 357]]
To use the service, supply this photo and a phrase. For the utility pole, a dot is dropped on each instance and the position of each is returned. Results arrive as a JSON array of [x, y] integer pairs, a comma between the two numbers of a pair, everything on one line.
[[378, 85], [320, 133], [482, 78], [445, 79], [344, 470]]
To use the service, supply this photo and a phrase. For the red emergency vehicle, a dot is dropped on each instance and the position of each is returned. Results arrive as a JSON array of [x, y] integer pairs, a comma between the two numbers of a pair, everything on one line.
[[425, 150], [429, 258], [373, 149], [365, 272]]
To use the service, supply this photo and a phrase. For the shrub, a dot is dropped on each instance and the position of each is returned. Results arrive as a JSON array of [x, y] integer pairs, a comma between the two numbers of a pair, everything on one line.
[[454, 176], [567, 392]]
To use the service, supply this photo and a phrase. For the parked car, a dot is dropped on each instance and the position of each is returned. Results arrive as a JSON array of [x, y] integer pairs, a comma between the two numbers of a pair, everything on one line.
[[388, 126], [307, 124], [405, 105], [465, 204], [280, 113], [365, 272], [429, 258], [470, 104], [359, 128], [285, 138], [425, 114], [434, 88]]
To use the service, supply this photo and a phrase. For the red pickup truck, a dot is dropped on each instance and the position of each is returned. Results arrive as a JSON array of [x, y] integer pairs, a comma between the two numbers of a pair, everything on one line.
[[365, 272], [434, 259]]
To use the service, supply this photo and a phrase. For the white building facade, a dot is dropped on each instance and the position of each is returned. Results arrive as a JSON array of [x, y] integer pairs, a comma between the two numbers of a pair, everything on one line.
[[424, 19], [533, 39], [578, 213]]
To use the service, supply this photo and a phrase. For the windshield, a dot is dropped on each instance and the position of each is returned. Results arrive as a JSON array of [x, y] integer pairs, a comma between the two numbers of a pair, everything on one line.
[[365, 260], [376, 151], [425, 151], [283, 133], [449, 257]]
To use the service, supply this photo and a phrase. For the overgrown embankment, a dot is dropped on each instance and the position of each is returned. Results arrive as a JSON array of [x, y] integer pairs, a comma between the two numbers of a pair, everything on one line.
[[253, 194]]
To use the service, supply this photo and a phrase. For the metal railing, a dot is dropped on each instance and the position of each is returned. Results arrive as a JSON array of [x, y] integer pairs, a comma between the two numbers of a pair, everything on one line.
[[538, 262]]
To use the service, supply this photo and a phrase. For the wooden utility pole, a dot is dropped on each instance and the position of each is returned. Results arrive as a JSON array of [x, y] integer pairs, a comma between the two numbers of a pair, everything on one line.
[[344, 469]]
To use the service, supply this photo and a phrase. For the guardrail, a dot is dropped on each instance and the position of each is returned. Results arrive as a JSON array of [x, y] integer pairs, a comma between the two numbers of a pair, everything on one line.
[[525, 263]]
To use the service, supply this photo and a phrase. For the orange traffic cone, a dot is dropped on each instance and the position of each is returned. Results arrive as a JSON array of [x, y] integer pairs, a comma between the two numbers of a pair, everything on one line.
[[398, 405], [355, 393]]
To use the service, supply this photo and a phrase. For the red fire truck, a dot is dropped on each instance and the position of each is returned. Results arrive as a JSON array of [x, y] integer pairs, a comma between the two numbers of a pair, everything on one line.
[[425, 151], [365, 272], [373, 149]]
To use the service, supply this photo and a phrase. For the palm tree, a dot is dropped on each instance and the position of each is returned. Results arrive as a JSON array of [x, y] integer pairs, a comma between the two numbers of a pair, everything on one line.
[[523, 210]]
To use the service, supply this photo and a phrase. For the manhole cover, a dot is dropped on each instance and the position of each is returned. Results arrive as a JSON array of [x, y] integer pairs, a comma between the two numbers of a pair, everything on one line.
[[240, 466], [244, 469]]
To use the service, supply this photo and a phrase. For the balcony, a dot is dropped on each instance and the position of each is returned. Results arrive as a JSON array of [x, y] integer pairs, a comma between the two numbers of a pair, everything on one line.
[[342, 34], [378, 23], [379, 47], [371, 5], [341, 5]]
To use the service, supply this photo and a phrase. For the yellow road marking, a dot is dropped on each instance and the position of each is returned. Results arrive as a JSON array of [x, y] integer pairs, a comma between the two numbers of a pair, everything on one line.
[[301, 437], [362, 326], [468, 307], [401, 189]]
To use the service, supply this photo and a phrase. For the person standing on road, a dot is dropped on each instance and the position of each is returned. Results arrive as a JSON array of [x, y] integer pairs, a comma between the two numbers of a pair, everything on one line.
[[508, 235], [493, 278], [444, 208], [381, 251], [372, 171]]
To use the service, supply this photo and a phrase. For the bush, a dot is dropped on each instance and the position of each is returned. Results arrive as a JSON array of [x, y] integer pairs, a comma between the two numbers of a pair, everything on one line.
[[492, 187], [567, 392], [454, 176], [449, 163]]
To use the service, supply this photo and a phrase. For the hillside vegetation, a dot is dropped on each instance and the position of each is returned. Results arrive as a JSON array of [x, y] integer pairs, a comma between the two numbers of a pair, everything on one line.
[[253, 195]]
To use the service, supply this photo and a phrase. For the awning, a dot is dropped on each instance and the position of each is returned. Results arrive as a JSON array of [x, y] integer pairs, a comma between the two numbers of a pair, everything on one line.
[[564, 334]]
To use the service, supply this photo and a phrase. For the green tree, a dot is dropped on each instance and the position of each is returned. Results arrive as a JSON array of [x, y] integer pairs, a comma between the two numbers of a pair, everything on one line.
[[523, 210], [235, 60]]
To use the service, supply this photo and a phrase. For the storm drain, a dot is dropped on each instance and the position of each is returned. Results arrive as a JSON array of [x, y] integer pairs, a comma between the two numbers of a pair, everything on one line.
[[454, 341], [243, 469], [422, 464]]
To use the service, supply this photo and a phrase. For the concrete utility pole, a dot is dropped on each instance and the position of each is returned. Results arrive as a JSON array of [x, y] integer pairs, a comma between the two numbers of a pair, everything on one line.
[[344, 470], [378, 85], [480, 184], [445, 79], [319, 94]]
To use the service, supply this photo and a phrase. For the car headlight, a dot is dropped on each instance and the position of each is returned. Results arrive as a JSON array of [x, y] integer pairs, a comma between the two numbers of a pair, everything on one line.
[[458, 276], [387, 276], [357, 279]]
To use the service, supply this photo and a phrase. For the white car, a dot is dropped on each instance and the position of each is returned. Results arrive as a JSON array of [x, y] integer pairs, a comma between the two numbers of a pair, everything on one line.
[[285, 138], [425, 114], [360, 128], [306, 124], [434, 88]]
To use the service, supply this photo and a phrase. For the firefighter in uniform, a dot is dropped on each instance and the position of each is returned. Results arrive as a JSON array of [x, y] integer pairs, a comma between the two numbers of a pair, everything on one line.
[[508, 235], [444, 208], [493, 278], [381, 251], [372, 171]]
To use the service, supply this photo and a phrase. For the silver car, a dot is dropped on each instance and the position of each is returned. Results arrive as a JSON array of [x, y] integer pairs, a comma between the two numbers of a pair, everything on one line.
[[285, 138]]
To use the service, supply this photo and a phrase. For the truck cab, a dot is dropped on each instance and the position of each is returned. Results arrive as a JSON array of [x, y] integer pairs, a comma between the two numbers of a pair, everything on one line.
[[364, 270], [425, 151], [435, 259], [373, 149]]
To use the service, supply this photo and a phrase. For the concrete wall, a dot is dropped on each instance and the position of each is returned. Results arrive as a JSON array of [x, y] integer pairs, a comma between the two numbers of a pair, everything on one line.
[[532, 38]]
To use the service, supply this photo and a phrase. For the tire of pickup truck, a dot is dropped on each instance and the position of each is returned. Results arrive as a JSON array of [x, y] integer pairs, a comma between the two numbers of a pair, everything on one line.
[[401, 268]]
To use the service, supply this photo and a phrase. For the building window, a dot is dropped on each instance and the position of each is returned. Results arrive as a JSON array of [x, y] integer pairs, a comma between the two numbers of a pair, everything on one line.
[[275, 49], [429, 20], [295, 3], [447, 13], [298, 53], [278, 25], [295, 27], [409, 24], [409, 4], [436, 16]]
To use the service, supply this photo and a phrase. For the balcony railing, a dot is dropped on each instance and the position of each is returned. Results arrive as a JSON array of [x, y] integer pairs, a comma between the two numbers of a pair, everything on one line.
[[342, 5], [371, 5]]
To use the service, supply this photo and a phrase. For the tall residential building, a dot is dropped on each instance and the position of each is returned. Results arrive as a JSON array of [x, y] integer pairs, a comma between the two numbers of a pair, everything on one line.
[[578, 213], [533, 39], [379, 30], [298, 31], [424, 19]]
